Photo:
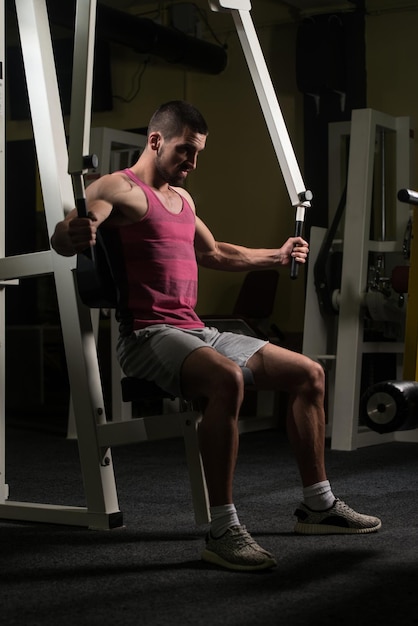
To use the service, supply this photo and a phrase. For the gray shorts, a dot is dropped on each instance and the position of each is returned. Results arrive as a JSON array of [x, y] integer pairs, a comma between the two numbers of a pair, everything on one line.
[[157, 352]]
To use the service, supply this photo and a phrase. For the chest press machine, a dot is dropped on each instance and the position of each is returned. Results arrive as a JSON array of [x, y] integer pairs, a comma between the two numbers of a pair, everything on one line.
[[62, 179], [359, 302], [392, 405]]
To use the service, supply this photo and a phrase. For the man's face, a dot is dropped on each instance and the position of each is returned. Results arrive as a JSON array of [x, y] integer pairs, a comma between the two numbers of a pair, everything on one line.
[[178, 156]]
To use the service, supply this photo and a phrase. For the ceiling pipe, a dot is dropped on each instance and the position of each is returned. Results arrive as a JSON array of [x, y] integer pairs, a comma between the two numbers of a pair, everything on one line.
[[145, 36]]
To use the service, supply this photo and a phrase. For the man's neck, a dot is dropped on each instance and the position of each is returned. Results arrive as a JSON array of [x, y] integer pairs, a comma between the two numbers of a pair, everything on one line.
[[149, 175]]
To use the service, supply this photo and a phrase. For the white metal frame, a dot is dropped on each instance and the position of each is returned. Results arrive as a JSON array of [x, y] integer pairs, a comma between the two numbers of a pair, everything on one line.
[[102, 508], [3, 485]]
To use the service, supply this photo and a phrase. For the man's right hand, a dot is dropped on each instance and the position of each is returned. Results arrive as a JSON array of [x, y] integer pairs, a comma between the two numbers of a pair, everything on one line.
[[82, 233]]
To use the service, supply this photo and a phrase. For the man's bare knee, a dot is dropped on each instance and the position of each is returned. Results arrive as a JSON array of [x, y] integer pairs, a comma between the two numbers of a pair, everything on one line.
[[227, 381], [208, 374], [315, 379]]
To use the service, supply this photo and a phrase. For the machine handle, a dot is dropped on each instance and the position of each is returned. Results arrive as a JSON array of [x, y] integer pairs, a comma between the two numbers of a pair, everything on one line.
[[299, 221], [408, 196], [294, 268], [81, 206]]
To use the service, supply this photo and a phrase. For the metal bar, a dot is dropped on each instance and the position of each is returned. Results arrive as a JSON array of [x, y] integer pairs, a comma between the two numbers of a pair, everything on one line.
[[410, 367], [81, 98], [57, 514], [3, 486], [353, 280], [299, 196], [240, 10], [81, 92], [270, 107], [26, 265]]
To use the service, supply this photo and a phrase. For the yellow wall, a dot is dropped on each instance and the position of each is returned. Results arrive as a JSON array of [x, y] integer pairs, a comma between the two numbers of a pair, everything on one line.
[[392, 66]]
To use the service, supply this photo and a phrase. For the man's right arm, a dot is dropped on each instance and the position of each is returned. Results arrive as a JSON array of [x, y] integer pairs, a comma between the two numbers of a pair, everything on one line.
[[75, 234], [110, 194]]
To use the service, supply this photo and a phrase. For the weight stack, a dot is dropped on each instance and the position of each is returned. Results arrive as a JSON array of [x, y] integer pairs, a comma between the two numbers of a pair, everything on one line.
[[390, 405]]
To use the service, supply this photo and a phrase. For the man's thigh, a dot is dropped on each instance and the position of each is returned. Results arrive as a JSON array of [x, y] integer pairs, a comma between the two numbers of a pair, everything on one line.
[[158, 352], [275, 367]]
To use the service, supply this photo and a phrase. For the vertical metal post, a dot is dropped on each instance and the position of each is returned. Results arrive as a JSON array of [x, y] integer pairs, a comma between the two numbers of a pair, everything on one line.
[[3, 486], [410, 368], [356, 247], [81, 91], [353, 280], [81, 98]]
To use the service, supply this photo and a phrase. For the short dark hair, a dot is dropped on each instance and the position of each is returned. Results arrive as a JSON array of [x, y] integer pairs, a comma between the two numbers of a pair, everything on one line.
[[171, 118]]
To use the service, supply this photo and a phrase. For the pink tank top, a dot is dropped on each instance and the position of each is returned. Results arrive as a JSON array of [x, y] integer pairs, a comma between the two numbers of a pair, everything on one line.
[[156, 268]]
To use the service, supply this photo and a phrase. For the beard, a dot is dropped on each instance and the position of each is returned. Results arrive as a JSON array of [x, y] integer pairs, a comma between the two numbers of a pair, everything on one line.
[[175, 179]]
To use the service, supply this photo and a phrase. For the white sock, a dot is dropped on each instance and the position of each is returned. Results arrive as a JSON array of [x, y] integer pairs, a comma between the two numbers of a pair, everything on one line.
[[222, 518], [319, 496]]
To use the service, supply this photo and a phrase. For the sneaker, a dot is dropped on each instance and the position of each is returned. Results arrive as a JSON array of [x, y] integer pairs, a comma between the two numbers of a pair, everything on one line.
[[339, 519], [237, 550]]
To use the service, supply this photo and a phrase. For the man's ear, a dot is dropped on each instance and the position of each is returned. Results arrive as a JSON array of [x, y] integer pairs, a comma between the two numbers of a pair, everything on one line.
[[154, 140]]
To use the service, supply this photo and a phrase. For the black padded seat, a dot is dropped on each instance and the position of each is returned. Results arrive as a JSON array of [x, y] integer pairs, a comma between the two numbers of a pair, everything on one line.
[[140, 389]]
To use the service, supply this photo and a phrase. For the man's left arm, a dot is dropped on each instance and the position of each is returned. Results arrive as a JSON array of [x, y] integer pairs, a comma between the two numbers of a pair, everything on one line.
[[219, 255]]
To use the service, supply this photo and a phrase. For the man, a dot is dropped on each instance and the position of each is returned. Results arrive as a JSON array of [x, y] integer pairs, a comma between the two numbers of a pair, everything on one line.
[[154, 238]]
